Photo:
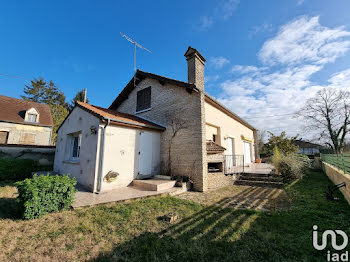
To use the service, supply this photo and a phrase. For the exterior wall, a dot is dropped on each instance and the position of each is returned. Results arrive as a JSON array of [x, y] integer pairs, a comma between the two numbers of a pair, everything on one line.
[[27, 134], [121, 155], [43, 154], [337, 176], [218, 179], [188, 148], [229, 127], [84, 169]]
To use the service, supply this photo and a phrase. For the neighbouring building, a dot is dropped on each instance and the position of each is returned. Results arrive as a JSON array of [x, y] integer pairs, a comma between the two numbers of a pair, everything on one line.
[[156, 125], [24, 122], [307, 148]]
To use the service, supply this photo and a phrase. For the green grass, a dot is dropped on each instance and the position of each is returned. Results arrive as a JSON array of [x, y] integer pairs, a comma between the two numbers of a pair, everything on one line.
[[133, 231]]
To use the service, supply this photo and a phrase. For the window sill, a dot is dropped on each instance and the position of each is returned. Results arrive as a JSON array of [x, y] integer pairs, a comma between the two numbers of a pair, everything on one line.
[[74, 162], [144, 110]]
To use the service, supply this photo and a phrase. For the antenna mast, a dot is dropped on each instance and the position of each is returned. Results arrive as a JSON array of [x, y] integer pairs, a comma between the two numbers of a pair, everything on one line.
[[135, 45]]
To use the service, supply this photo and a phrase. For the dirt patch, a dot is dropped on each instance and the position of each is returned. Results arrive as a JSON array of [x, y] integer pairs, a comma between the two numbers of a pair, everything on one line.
[[242, 197]]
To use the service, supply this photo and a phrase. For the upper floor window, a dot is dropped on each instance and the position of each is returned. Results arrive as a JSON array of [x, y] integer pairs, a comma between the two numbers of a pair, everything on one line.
[[32, 118], [32, 115], [143, 99]]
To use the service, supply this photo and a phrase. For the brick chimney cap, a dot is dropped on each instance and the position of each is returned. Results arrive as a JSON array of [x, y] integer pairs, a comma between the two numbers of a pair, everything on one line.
[[191, 51]]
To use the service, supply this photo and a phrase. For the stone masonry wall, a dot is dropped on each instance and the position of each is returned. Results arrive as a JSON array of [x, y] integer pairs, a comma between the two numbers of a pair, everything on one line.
[[188, 148]]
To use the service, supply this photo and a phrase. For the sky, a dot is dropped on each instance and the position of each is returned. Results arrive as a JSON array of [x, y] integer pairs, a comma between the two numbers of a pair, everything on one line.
[[264, 58]]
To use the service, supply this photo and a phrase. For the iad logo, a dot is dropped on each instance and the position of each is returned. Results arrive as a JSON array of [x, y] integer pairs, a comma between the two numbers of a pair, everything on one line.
[[333, 235]]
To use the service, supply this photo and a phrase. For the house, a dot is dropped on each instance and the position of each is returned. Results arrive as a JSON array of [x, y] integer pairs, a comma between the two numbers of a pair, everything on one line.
[[307, 148], [156, 125], [24, 122]]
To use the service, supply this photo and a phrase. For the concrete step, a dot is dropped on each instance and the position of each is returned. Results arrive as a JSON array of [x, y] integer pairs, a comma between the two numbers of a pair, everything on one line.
[[258, 183], [154, 184], [261, 175], [260, 178]]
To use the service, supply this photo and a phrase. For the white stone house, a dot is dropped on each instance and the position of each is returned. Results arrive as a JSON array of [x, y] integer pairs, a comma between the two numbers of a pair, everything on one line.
[[156, 125], [24, 122]]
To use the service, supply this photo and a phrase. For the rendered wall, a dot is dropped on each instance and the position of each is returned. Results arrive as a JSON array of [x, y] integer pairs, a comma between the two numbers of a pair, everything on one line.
[[27, 134], [121, 155], [337, 176], [83, 170], [228, 127], [188, 148]]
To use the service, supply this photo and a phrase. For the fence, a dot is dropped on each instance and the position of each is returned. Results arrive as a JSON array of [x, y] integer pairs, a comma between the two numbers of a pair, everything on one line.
[[341, 161], [234, 164]]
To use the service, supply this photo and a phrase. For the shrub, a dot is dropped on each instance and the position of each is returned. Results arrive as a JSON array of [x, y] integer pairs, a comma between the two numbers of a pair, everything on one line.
[[18, 169], [292, 167], [276, 157], [41, 195]]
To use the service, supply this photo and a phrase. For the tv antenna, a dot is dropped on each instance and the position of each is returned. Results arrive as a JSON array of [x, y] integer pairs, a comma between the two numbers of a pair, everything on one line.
[[135, 45]]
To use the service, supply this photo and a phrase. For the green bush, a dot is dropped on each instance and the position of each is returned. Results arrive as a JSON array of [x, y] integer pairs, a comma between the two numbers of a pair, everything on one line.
[[292, 167], [41, 195], [18, 169]]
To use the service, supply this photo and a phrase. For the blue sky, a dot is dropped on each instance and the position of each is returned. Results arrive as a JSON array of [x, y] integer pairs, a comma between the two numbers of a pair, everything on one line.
[[264, 58]]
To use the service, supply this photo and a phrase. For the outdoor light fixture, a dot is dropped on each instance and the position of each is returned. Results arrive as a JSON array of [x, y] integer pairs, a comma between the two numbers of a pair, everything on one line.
[[93, 130]]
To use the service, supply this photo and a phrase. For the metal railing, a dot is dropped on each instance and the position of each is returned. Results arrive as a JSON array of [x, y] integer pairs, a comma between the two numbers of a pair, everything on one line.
[[234, 164], [341, 161]]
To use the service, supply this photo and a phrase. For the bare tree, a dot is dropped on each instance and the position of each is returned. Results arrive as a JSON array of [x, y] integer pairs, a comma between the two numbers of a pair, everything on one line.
[[329, 113], [177, 123], [261, 136]]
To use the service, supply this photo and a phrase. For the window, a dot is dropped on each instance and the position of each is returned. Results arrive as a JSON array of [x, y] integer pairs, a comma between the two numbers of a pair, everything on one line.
[[214, 138], [75, 146], [143, 99], [32, 118], [4, 137]]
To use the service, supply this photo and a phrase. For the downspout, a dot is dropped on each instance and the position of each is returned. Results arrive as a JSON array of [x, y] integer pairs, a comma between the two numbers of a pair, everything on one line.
[[102, 152]]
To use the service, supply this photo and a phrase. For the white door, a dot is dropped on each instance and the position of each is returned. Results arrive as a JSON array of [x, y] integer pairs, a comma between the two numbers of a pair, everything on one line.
[[247, 153], [145, 154], [229, 157]]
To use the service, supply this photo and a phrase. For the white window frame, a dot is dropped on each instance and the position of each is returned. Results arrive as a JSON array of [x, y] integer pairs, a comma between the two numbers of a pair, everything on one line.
[[71, 146], [32, 115]]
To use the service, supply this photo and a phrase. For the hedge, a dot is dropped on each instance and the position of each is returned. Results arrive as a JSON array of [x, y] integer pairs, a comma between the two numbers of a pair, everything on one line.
[[18, 169], [41, 195]]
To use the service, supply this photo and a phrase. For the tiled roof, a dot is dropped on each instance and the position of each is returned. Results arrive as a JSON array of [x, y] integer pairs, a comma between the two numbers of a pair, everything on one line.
[[214, 147], [119, 118], [140, 75], [13, 110]]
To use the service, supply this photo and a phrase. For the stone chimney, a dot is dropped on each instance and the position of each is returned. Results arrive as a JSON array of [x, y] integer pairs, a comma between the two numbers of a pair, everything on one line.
[[195, 67]]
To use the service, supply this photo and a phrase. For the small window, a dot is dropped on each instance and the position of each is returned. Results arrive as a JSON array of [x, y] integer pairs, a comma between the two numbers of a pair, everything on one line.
[[143, 99], [32, 118], [75, 146], [214, 138], [4, 137]]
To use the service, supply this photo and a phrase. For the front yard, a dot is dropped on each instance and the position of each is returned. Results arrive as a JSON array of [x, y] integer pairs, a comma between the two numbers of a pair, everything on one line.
[[133, 231]]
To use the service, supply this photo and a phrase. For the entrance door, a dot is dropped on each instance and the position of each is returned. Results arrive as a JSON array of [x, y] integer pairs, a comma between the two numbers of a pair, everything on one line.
[[145, 154], [247, 153]]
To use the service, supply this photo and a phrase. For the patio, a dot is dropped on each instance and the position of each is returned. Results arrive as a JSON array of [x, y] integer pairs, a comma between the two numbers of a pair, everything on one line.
[[86, 198]]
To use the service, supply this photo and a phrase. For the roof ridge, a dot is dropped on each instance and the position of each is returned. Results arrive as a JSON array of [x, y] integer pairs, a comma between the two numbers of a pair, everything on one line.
[[24, 101]]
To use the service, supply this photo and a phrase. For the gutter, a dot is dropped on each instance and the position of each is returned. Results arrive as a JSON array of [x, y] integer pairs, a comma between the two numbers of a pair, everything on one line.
[[135, 124], [101, 156]]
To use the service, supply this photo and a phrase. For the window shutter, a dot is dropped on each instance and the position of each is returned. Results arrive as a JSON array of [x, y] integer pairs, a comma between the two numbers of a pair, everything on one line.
[[143, 99]]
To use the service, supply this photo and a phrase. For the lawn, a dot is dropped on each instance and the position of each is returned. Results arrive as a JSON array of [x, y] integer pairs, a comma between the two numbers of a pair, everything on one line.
[[133, 231]]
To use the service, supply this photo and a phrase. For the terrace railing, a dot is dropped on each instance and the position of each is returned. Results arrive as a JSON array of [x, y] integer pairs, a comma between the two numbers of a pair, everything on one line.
[[341, 161], [234, 164]]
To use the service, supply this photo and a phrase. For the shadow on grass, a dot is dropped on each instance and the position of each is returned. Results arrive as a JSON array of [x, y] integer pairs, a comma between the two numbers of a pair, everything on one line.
[[218, 233], [9, 208]]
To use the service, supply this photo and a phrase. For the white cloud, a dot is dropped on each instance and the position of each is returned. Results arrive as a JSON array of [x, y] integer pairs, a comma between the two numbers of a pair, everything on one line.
[[305, 41], [223, 11], [211, 78], [218, 62], [205, 22], [268, 96], [227, 8], [265, 27], [300, 2]]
